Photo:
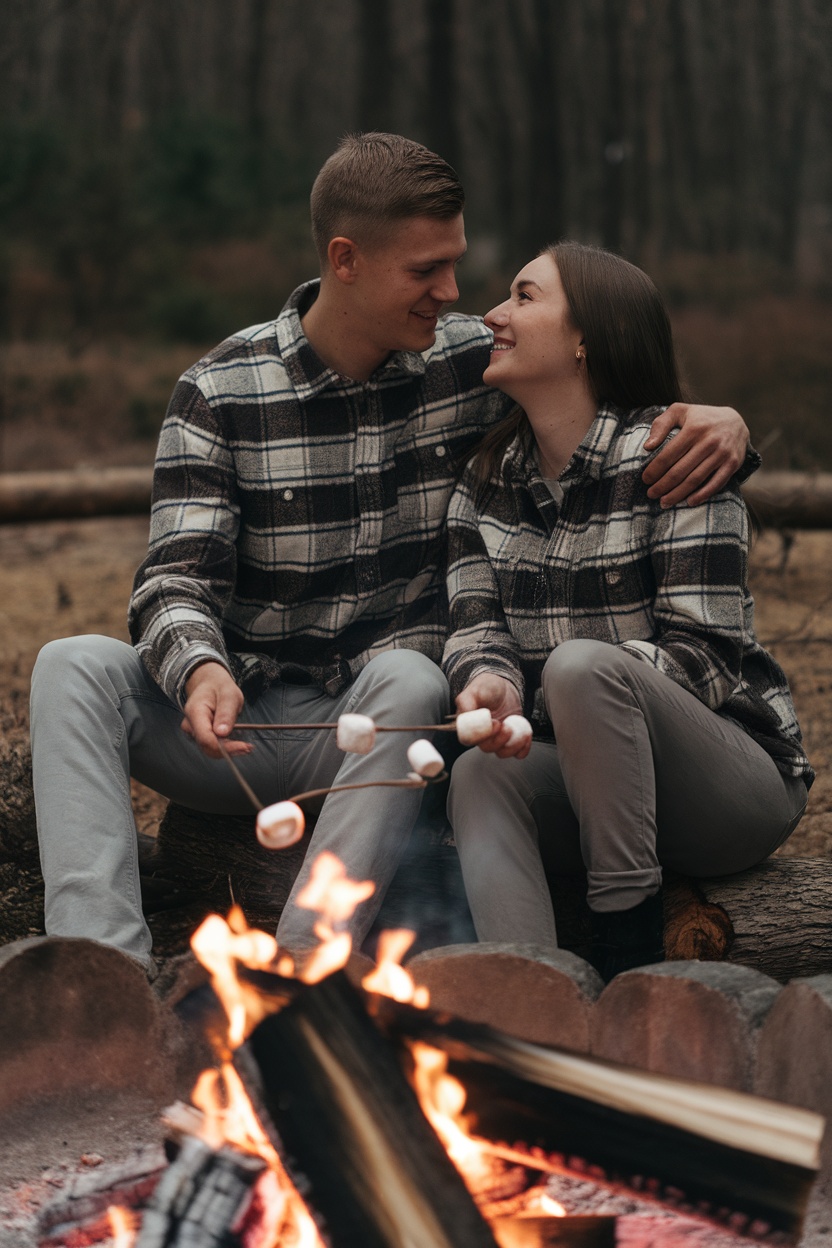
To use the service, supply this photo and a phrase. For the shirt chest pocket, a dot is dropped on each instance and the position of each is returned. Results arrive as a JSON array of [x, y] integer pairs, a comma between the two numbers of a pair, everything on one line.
[[423, 479], [612, 599]]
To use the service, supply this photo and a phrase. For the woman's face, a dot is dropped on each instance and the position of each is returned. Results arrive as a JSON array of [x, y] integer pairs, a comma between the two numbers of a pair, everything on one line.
[[535, 341]]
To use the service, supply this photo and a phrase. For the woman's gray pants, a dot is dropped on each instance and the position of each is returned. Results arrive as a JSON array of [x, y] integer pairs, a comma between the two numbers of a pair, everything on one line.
[[98, 718], [642, 776]]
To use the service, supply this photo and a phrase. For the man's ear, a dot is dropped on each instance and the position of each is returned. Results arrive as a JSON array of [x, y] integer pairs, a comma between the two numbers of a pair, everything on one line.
[[342, 254]]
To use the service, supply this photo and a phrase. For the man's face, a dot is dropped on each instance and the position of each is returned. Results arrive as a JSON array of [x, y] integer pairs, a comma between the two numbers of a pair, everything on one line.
[[402, 284]]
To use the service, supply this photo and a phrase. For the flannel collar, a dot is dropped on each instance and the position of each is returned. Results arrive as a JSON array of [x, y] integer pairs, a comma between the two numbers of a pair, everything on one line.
[[307, 371], [587, 459]]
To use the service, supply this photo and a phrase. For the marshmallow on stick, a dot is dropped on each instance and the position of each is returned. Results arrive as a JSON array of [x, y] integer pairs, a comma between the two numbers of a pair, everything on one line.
[[474, 726], [425, 759], [280, 825], [520, 729], [355, 734]]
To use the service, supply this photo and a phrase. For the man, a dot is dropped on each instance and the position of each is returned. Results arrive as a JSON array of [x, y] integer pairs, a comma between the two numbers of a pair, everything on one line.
[[301, 483]]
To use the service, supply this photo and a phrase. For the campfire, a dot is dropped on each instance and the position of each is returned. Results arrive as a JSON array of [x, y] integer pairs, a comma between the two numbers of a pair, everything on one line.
[[357, 1116]]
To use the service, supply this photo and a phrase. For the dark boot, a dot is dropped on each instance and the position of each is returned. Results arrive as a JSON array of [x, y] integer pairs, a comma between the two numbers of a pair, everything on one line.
[[624, 939]]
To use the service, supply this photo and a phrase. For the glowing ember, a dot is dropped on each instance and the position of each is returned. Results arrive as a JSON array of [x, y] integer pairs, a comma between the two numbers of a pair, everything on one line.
[[389, 978], [121, 1224]]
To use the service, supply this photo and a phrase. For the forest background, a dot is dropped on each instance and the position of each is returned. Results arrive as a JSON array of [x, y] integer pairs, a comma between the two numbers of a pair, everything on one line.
[[156, 158]]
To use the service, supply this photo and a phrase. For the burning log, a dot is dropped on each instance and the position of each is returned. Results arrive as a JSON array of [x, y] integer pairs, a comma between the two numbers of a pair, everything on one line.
[[697, 1148], [334, 1100], [702, 1149]]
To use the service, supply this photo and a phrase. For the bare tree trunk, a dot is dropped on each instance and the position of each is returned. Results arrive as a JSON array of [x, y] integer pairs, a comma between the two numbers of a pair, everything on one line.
[[375, 65], [615, 139], [442, 83], [545, 216]]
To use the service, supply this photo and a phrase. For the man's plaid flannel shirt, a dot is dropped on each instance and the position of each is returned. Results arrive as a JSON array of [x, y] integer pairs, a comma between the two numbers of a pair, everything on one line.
[[298, 517], [609, 563]]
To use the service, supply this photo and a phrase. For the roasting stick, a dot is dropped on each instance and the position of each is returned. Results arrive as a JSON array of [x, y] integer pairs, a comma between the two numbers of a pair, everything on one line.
[[241, 780], [409, 782], [379, 727], [417, 782]]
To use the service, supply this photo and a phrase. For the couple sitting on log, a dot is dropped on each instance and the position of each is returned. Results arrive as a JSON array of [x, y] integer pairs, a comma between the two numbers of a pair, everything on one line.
[[309, 474]]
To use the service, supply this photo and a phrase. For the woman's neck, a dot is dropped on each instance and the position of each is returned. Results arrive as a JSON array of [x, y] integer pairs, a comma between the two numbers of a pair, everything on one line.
[[559, 423]]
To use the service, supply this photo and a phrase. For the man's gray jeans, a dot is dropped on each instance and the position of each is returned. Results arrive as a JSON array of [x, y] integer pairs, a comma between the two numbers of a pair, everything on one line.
[[642, 776], [98, 718]]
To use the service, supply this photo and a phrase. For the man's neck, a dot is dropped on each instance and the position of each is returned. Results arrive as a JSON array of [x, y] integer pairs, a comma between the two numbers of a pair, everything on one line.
[[330, 331]]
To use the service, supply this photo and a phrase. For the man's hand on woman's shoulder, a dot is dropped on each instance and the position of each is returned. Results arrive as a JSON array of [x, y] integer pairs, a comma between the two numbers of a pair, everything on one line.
[[709, 448]]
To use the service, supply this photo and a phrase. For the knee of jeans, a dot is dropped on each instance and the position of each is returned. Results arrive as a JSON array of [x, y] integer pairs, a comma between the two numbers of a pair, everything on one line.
[[65, 654], [477, 777], [468, 775], [574, 665], [417, 679]]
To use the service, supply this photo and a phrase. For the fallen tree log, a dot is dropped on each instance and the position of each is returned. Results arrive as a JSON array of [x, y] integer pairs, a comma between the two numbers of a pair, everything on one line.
[[74, 495], [800, 500], [775, 917]]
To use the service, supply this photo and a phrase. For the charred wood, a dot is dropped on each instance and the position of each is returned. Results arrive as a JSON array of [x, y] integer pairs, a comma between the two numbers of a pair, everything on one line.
[[330, 1091], [626, 1126], [200, 1198], [693, 1147]]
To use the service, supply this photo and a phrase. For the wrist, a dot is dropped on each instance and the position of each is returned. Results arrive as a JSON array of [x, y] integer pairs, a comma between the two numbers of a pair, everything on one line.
[[205, 669]]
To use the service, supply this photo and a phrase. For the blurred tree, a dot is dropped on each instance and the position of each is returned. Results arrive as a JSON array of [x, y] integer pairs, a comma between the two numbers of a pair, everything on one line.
[[134, 132], [375, 65], [442, 96]]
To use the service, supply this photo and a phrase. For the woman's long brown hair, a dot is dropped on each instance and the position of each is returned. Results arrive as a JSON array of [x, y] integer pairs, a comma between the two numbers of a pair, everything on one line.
[[630, 360]]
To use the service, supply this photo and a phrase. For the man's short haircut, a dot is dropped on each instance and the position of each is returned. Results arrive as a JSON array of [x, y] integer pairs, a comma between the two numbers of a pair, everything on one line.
[[371, 181]]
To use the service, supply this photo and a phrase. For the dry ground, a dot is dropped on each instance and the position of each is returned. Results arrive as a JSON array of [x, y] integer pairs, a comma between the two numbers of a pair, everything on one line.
[[63, 578]]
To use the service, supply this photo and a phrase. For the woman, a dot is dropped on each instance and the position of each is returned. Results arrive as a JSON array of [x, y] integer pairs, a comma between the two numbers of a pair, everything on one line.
[[665, 736]]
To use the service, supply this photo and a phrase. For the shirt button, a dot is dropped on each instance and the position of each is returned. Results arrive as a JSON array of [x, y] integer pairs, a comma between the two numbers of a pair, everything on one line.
[[288, 495], [440, 451], [613, 577]]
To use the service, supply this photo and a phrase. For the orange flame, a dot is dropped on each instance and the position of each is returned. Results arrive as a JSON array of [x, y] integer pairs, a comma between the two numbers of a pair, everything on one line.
[[229, 1118], [335, 896], [389, 978], [442, 1099], [283, 1218], [219, 944]]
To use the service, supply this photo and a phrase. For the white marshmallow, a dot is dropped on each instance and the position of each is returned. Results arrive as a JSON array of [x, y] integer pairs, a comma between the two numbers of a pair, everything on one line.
[[520, 729], [280, 825], [355, 734], [474, 726], [425, 759]]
